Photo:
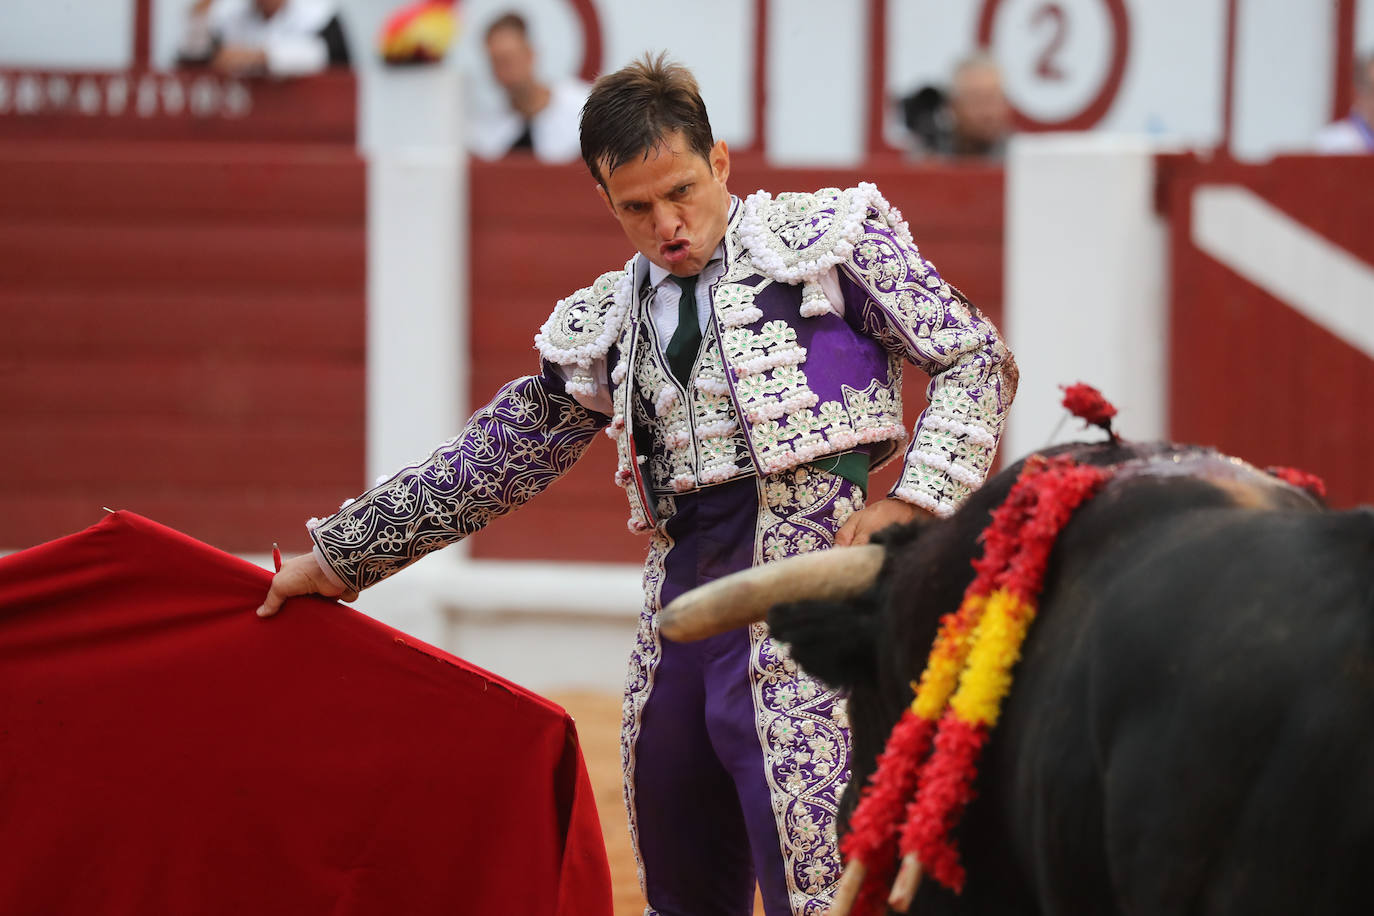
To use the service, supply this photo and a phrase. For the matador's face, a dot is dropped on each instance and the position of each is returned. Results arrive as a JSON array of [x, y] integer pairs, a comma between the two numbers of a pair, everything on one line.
[[673, 203]]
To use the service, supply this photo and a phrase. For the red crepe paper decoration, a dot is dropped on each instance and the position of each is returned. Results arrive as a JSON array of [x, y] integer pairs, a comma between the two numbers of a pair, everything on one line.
[[1088, 404], [926, 773], [1305, 480]]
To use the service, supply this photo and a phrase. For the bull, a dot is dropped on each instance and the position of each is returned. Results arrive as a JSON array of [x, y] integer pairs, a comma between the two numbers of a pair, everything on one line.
[[1191, 725]]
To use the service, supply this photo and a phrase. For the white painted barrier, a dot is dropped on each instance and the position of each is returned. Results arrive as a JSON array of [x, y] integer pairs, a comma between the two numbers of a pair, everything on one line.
[[1086, 283], [543, 625]]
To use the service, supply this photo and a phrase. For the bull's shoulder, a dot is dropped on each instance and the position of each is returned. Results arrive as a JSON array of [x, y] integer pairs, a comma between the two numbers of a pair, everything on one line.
[[585, 325], [795, 237], [1202, 475], [1148, 481]]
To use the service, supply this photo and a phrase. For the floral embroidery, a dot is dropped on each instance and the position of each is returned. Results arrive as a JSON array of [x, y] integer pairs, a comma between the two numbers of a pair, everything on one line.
[[734, 305], [464, 484], [698, 441], [875, 412], [629, 467], [584, 325], [775, 334], [796, 238], [639, 681], [760, 364], [752, 388], [741, 345], [801, 726], [710, 377], [659, 409], [841, 512], [973, 377]]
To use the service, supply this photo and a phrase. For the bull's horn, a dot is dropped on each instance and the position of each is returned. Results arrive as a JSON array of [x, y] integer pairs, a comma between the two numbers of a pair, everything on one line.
[[907, 883], [745, 597], [851, 882]]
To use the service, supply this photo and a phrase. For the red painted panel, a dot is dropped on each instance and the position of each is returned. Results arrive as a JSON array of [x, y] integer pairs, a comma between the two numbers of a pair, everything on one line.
[[193, 183], [184, 334], [1249, 374], [539, 233], [270, 323], [247, 392], [166, 257]]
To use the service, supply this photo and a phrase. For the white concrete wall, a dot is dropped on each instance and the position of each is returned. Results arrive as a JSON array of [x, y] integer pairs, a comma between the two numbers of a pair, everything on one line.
[[547, 626], [1283, 76], [1086, 284], [417, 319], [817, 81], [67, 34]]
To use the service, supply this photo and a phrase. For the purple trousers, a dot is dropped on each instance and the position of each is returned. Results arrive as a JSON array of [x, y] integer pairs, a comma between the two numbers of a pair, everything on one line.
[[734, 759]]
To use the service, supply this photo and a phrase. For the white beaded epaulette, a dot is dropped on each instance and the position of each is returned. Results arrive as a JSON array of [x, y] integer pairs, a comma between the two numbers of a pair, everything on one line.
[[796, 237], [584, 326]]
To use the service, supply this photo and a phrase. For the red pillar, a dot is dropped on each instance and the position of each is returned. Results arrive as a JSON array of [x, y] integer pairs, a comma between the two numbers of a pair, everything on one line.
[[877, 76], [760, 143], [143, 31], [1344, 58]]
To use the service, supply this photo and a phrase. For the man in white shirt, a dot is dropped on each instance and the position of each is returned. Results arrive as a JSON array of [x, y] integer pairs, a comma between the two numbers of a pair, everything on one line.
[[279, 38], [1353, 134], [539, 118]]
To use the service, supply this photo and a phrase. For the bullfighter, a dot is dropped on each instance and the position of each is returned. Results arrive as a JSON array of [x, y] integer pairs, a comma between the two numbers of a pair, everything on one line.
[[747, 362]]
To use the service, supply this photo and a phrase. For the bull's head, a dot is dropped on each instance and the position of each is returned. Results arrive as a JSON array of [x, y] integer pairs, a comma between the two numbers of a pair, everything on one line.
[[863, 618]]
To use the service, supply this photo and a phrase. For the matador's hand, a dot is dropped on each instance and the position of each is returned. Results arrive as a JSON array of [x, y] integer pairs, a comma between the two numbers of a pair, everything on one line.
[[875, 517], [302, 575]]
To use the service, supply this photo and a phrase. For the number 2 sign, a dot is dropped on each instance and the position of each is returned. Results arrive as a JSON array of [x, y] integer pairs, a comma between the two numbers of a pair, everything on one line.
[[1062, 60]]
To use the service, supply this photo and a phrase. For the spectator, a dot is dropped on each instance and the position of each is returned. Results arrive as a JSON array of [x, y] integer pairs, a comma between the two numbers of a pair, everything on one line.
[[281, 38], [1354, 133], [974, 120], [540, 118]]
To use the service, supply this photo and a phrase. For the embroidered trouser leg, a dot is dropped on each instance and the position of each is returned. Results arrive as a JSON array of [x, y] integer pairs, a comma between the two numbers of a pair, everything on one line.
[[693, 840], [734, 759]]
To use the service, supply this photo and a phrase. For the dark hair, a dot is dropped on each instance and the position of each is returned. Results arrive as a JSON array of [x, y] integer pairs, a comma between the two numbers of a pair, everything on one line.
[[508, 21], [631, 110]]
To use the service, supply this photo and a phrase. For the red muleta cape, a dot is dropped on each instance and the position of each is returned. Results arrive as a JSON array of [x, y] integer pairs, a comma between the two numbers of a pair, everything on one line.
[[163, 750]]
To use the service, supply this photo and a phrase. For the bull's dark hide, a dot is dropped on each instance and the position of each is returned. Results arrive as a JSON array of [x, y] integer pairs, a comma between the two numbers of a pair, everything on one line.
[[1191, 727]]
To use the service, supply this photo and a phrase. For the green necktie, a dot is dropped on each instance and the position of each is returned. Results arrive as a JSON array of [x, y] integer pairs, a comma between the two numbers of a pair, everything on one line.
[[682, 349]]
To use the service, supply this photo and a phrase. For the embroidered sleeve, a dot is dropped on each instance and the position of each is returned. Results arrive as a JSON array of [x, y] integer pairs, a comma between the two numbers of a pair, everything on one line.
[[898, 297], [530, 434]]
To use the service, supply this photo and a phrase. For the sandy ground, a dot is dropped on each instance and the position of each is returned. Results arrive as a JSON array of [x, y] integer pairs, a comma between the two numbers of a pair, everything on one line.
[[598, 727]]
